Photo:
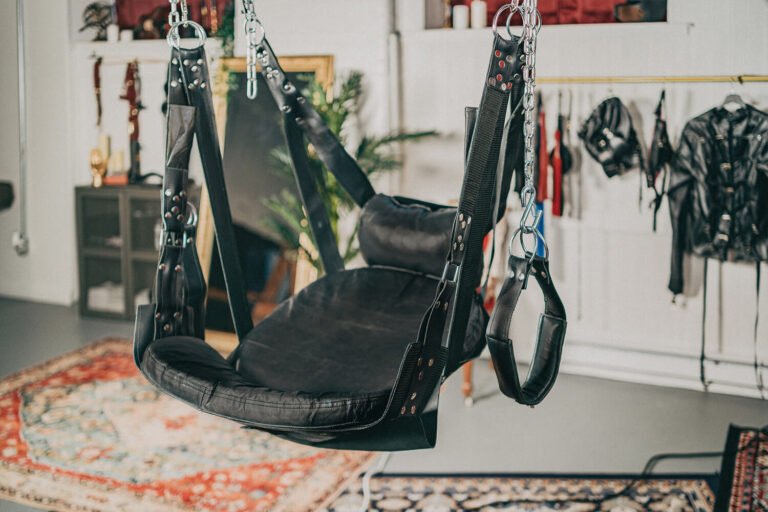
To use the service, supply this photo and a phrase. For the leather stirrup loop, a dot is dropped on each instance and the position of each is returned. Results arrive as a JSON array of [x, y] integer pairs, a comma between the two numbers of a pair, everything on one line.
[[545, 364]]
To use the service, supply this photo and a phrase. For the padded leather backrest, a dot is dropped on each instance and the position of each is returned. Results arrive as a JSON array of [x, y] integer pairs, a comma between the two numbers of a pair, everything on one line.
[[406, 233]]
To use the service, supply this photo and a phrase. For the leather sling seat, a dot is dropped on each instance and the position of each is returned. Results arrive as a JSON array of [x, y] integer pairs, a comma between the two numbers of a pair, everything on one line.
[[326, 358]]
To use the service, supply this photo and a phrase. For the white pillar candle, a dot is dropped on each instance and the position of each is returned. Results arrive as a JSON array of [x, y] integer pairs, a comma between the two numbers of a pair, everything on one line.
[[460, 17], [113, 33], [479, 14], [126, 35], [105, 146]]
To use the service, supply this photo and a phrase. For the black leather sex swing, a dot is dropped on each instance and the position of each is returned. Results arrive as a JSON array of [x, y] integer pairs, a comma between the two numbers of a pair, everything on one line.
[[356, 359]]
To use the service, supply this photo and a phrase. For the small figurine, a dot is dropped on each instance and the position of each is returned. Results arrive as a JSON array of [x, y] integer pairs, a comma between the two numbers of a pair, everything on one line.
[[97, 15]]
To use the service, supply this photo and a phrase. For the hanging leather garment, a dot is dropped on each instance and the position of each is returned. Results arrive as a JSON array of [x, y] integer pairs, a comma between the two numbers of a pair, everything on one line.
[[718, 189], [661, 154], [610, 138], [356, 359]]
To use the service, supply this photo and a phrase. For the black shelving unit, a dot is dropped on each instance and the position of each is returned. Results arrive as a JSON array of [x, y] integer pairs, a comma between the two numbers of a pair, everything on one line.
[[117, 233]]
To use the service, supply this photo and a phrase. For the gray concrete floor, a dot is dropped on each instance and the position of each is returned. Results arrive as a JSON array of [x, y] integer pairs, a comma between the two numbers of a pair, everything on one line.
[[586, 425]]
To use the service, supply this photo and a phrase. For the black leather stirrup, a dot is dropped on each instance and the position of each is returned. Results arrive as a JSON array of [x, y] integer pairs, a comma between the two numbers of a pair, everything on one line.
[[550, 337], [353, 360]]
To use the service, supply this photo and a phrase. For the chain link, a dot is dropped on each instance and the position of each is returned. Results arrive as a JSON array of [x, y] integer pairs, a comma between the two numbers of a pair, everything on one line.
[[254, 35]]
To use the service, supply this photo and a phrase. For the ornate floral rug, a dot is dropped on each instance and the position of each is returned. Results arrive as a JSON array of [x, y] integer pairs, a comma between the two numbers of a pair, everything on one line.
[[744, 473], [527, 494], [86, 432]]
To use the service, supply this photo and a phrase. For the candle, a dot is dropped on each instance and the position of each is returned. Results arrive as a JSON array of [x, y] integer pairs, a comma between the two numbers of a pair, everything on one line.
[[104, 146], [117, 162], [460, 17], [113, 33], [479, 14]]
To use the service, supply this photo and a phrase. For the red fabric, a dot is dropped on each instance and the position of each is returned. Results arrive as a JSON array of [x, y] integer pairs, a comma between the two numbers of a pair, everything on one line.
[[561, 12], [130, 12], [557, 177], [541, 187]]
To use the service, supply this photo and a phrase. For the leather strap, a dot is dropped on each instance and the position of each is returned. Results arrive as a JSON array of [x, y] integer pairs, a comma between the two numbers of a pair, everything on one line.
[[190, 71], [328, 147], [442, 332], [319, 223], [703, 350], [550, 337], [758, 371]]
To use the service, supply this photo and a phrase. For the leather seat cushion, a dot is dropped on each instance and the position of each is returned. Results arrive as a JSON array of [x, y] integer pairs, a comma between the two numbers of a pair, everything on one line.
[[326, 358]]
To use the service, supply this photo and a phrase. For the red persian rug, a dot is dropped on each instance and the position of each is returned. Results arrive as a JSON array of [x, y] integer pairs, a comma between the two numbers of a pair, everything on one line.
[[744, 473], [86, 432]]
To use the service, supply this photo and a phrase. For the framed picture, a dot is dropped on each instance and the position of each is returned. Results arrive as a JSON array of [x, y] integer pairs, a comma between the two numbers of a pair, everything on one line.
[[250, 131]]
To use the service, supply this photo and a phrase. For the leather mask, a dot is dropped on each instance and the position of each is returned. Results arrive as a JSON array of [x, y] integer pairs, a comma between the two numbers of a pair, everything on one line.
[[610, 138]]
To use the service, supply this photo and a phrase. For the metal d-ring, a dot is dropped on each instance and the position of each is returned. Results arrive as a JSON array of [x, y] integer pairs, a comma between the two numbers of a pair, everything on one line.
[[512, 15], [192, 216], [174, 38], [512, 7]]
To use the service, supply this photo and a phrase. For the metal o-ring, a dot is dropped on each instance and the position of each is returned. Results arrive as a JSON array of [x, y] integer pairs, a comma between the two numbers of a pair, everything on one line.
[[174, 38]]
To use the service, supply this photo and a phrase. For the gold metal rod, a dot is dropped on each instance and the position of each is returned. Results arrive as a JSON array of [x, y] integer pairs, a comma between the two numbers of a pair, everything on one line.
[[652, 79]]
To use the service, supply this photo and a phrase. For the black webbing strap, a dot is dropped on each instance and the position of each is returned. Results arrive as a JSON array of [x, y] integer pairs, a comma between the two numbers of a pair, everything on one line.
[[550, 335], [191, 74], [443, 329]]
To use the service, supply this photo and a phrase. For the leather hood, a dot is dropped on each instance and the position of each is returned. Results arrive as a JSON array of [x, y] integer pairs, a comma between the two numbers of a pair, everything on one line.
[[610, 138]]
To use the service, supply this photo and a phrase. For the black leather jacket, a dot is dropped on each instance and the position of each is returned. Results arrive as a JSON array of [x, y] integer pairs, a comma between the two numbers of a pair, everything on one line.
[[718, 191]]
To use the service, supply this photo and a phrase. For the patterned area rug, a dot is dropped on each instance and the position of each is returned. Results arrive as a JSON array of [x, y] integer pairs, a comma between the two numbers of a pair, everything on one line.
[[525, 494], [744, 474], [86, 432]]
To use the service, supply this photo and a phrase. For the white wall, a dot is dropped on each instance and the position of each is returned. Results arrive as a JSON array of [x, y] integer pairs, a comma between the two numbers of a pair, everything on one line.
[[622, 309], [48, 272]]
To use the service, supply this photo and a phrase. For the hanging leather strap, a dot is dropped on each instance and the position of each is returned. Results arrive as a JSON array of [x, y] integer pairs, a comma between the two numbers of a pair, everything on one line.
[[189, 70], [545, 364], [327, 146], [317, 214], [440, 341], [703, 350], [758, 367]]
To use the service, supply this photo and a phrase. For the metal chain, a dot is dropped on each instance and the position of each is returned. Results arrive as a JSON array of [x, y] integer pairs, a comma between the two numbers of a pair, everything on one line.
[[530, 218], [254, 36], [179, 12]]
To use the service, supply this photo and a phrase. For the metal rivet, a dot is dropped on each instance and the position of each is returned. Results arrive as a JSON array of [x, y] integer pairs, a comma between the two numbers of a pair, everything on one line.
[[183, 194], [177, 268], [413, 396], [168, 192], [497, 53], [158, 316], [469, 220], [174, 61], [418, 363], [196, 81], [175, 210], [191, 86], [190, 239], [503, 87], [461, 217], [194, 68], [512, 274], [285, 108], [455, 246], [461, 247], [168, 215], [413, 409], [174, 83], [176, 199], [463, 225], [177, 315], [162, 266], [203, 85], [502, 64], [200, 62], [445, 306], [402, 411], [430, 362], [544, 274], [510, 58], [421, 375], [180, 218], [460, 238], [521, 277], [167, 327], [185, 62]]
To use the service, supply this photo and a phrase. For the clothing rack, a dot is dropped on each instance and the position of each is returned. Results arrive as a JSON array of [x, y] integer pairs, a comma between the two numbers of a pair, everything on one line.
[[740, 79], [108, 61]]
